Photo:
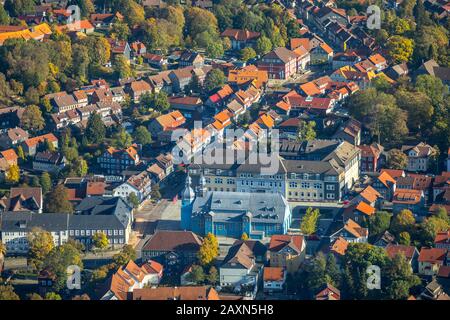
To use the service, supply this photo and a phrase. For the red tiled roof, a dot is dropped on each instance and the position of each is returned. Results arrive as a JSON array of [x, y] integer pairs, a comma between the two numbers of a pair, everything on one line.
[[408, 251], [273, 274], [432, 255]]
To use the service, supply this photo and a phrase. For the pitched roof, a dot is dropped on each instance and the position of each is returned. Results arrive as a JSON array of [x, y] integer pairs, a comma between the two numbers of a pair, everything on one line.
[[279, 242], [171, 120], [282, 53], [39, 139], [328, 292], [394, 173], [385, 177], [365, 208], [442, 237], [370, 194], [355, 229], [407, 196], [393, 249], [432, 255], [273, 274], [173, 241], [176, 293], [240, 34], [9, 155], [339, 246]]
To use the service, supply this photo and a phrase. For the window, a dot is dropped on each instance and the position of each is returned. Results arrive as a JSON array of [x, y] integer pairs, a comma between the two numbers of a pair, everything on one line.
[[330, 187]]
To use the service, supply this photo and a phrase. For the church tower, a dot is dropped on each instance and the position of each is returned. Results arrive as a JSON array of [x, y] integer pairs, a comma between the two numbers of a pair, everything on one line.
[[188, 197]]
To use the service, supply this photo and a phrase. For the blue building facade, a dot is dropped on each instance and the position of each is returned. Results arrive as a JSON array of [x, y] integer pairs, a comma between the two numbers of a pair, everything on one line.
[[230, 214]]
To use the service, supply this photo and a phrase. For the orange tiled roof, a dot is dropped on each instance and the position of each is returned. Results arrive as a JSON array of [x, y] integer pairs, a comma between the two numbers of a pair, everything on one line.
[[370, 194], [36, 32], [10, 155], [36, 140], [407, 196], [365, 208], [273, 274], [355, 229], [339, 246]]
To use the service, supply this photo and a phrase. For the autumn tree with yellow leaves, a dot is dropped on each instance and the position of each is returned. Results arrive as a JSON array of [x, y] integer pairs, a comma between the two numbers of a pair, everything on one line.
[[209, 250]]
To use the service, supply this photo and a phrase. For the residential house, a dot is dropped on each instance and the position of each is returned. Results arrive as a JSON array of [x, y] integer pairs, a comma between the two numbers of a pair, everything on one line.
[[38, 32], [240, 38], [188, 105], [345, 59], [350, 131], [12, 137], [417, 182], [351, 232], [131, 277], [410, 253], [280, 63], [28, 199], [189, 293], [138, 49], [328, 292], [139, 184], [173, 249], [248, 74], [410, 199], [441, 185], [83, 26], [155, 60], [385, 185], [419, 156], [48, 161], [139, 88], [430, 260], [370, 157], [442, 240], [163, 126], [274, 279], [30, 145], [239, 269], [120, 47], [113, 161], [322, 54], [338, 248], [432, 68], [105, 20], [287, 251], [378, 61], [190, 58]]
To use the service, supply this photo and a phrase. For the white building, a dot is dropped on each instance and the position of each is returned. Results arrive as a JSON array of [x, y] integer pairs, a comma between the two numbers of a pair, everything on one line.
[[140, 185]]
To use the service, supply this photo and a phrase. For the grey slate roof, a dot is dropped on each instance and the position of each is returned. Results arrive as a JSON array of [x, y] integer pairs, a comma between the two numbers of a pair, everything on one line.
[[226, 206], [12, 221]]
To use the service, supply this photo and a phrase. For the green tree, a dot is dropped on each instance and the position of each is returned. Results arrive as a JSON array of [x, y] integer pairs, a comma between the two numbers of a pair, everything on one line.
[[7, 293], [400, 48], [122, 67], [133, 199], [209, 250], [32, 119], [120, 31], [80, 167], [214, 79], [399, 277], [80, 63], [397, 159], [52, 296], [100, 240], [197, 275], [379, 222], [126, 254], [19, 7], [419, 108], [306, 131], [309, 222], [40, 245], [213, 276], [244, 236], [2, 249], [194, 85], [247, 54], [142, 135], [332, 270], [59, 259], [86, 7], [404, 238], [263, 45], [57, 200], [46, 182], [122, 139], [403, 221], [4, 17], [95, 129]]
